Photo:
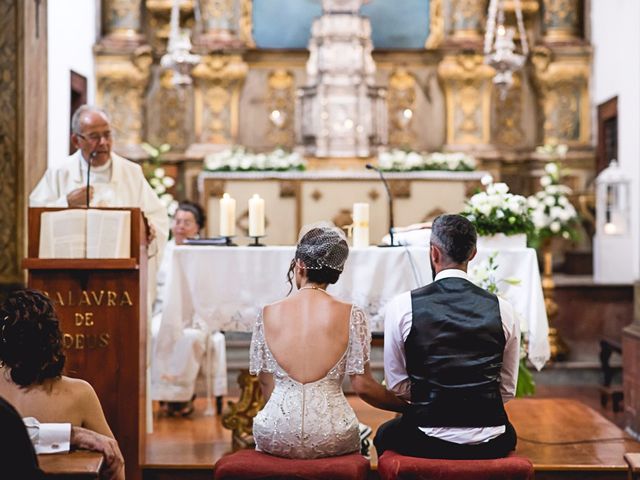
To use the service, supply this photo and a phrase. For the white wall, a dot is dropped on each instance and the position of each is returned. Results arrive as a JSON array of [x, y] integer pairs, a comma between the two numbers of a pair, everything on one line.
[[615, 35], [72, 32]]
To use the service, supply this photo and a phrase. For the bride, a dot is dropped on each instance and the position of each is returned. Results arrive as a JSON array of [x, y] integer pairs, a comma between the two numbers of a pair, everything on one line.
[[302, 347]]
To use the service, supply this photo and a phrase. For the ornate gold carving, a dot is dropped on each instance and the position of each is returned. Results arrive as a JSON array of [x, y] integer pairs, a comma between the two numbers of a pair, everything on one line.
[[280, 108], [316, 195], [563, 84], [560, 20], [10, 208], [529, 7], [507, 119], [122, 81], [122, 25], [288, 189], [343, 218], [401, 98], [400, 188], [169, 113], [239, 416], [467, 87], [467, 19], [436, 25], [373, 195], [218, 81], [246, 24]]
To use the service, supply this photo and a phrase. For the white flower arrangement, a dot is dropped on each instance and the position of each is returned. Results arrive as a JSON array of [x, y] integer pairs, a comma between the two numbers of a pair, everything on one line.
[[397, 160], [552, 212], [237, 159], [497, 211], [157, 177], [160, 182]]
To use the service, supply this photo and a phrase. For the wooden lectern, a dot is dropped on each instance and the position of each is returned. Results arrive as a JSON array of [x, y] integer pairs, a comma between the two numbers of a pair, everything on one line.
[[102, 306]]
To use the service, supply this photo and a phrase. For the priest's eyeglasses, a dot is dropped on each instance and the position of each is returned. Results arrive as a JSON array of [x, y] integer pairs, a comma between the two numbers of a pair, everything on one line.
[[95, 137]]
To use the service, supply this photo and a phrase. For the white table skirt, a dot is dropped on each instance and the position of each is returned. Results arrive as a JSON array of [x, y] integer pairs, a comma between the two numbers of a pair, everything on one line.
[[227, 286]]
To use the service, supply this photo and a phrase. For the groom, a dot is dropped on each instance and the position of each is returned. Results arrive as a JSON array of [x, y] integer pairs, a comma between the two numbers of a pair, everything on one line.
[[452, 349]]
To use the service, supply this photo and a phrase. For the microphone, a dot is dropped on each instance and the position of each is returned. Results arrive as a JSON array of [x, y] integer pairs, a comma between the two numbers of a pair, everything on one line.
[[390, 197], [91, 157]]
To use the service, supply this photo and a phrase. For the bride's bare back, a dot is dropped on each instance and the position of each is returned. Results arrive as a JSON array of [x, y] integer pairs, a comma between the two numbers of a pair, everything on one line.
[[307, 333]]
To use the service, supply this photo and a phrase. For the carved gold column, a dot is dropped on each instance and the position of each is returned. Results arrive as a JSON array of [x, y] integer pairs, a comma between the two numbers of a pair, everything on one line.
[[239, 416], [562, 79], [280, 108], [218, 83], [121, 84], [221, 20], [558, 348], [561, 20], [467, 20], [467, 85], [401, 98], [121, 23], [507, 115]]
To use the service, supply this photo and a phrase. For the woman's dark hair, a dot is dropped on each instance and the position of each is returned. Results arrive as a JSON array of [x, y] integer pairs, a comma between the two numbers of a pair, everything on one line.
[[337, 250], [30, 338], [196, 210]]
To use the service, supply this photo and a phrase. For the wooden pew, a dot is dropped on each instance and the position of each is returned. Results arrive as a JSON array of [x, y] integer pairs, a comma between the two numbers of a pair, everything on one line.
[[76, 465]]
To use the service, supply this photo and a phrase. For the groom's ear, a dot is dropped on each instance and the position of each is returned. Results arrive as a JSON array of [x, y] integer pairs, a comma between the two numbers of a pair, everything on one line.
[[435, 253]]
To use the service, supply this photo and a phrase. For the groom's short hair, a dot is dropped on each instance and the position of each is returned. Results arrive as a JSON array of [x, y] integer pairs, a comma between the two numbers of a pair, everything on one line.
[[455, 235]]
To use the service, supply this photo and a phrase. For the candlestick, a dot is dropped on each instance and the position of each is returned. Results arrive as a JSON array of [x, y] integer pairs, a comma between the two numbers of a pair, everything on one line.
[[360, 225], [227, 216], [256, 216]]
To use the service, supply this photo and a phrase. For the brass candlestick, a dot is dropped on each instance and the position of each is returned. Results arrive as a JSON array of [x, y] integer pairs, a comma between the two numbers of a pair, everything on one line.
[[558, 348]]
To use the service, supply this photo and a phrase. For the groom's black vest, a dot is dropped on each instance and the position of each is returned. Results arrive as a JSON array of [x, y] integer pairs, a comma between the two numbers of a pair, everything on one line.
[[454, 356]]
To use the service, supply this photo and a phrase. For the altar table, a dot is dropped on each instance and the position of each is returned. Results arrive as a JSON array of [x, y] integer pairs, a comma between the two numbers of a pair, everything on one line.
[[227, 286]]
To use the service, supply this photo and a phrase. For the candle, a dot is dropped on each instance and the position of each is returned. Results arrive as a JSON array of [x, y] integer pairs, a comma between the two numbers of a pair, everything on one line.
[[360, 225], [227, 216], [256, 216]]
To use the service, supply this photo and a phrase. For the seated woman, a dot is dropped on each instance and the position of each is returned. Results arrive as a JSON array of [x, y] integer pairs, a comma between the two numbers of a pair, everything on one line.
[[32, 360], [302, 347], [174, 385]]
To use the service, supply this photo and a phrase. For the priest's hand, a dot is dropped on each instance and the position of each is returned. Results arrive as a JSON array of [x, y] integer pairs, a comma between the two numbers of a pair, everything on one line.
[[78, 197], [90, 440], [151, 234]]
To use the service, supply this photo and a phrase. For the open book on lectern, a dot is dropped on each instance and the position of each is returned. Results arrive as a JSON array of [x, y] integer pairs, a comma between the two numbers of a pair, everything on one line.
[[85, 233]]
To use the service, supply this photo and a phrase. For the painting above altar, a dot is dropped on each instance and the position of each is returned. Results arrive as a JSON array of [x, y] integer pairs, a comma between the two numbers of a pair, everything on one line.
[[286, 24]]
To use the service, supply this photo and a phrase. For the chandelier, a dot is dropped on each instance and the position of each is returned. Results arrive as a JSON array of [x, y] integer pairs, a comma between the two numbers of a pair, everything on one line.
[[499, 45], [179, 58]]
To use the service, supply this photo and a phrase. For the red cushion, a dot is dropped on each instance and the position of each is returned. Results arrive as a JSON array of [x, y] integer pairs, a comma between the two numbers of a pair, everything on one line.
[[392, 465], [246, 464]]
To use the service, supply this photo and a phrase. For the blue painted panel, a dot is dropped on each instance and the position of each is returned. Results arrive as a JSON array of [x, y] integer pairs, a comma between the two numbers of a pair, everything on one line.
[[396, 24]]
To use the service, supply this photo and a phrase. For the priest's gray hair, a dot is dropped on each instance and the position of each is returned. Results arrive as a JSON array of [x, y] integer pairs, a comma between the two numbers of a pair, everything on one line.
[[80, 112], [322, 245], [455, 235]]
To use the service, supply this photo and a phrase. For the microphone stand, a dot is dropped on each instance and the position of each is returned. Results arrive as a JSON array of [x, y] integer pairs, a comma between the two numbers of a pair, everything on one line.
[[390, 198]]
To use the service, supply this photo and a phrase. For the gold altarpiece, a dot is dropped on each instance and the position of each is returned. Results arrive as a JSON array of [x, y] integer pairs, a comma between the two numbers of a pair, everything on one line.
[[446, 85]]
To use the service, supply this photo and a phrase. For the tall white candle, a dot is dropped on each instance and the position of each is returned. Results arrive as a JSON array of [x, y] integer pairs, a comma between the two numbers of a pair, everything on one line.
[[256, 216], [360, 225], [227, 216]]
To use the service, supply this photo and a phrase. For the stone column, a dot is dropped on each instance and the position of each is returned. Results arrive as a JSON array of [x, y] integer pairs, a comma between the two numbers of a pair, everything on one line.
[[631, 368], [218, 83], [121, 85], [561, 20], [467, 20], [562, 80], [121, 24], [467, 87]]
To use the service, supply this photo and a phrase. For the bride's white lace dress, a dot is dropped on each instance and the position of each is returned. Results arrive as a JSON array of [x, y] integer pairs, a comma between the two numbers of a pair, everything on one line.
[[314, 419]]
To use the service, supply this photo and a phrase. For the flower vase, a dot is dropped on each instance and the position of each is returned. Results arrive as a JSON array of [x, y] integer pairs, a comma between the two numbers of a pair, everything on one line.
[[500, 241]]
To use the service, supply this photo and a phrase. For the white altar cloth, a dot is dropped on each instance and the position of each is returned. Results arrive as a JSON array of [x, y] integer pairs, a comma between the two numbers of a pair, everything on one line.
[[227, 286]]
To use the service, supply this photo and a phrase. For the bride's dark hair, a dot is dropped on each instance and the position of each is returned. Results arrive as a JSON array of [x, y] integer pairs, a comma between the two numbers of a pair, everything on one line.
[[30, 338], [318, 249]]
